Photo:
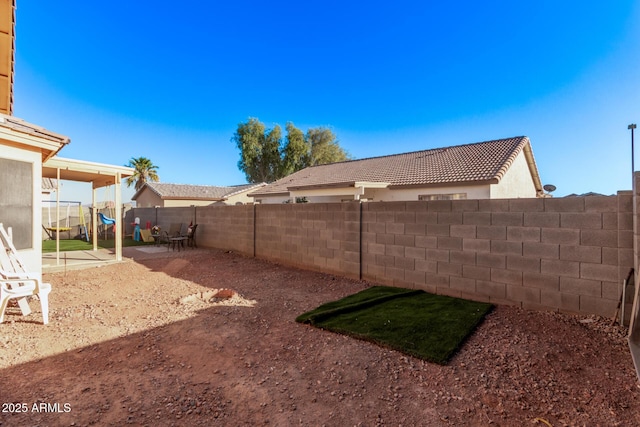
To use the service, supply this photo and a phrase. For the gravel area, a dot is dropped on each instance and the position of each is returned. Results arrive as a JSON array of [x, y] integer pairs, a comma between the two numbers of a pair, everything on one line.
[[152, 341]]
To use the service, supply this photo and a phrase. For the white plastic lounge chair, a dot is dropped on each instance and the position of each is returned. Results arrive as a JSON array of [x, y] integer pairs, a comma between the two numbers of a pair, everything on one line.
[[17, 282]]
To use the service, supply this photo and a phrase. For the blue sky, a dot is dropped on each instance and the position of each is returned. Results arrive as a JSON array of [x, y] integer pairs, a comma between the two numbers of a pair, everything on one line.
[[171, 81]]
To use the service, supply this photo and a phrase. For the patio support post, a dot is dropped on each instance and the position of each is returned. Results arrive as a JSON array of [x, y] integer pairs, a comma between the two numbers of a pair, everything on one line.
[[119, 221], [58, 216], [94, 218]]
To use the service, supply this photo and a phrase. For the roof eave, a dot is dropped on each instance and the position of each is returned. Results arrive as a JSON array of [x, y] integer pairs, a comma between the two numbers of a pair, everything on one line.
[[206, 199], [347, 184], [139, 191], [275, 194], [234, 193], [533, 168], [448, 184], [31, 136]]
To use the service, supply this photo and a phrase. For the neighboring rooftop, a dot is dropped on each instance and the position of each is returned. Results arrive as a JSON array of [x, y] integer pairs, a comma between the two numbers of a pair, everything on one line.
[[471, 163], [195, 192]]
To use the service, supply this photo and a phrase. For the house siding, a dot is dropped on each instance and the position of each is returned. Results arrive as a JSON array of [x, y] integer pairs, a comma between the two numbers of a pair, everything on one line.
[[516, 183], [148, 199], [168, 203], [482, 191]]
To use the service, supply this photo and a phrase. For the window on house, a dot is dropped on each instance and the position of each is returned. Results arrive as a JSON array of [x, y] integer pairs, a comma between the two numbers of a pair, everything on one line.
[[450, 196]]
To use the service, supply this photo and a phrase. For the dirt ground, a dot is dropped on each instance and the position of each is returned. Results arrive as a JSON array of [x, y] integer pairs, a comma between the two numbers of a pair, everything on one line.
[[149, 342]]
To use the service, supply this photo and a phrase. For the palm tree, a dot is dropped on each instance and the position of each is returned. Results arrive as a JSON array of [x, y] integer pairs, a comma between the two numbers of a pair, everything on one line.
[[145, 171]]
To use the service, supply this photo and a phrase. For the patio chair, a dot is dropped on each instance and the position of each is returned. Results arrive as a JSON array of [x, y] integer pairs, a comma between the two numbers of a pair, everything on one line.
[[175, 229], [18, 283]]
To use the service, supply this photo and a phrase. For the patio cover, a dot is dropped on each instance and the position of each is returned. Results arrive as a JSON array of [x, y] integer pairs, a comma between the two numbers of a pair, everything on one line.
[[100, 175]]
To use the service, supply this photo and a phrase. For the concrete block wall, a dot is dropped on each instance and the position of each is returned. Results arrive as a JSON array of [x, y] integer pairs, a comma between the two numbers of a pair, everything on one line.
[[160, 216], [230, 229], [317, 236], [145, 214], [567, 254], [224, 228]]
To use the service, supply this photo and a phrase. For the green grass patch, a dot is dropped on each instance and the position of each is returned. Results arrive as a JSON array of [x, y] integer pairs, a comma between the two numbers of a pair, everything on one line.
[[427, 326], [81, 245]]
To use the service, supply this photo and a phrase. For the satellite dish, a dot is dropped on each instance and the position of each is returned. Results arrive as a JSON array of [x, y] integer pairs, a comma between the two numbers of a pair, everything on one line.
[[549, 188]]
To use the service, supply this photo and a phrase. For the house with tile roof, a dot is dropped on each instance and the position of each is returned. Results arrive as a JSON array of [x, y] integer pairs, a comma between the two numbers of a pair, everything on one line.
[[503, 168], [153, 194]]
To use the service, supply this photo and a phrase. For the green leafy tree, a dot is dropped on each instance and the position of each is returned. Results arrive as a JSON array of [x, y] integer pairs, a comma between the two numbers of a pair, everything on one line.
[[259, 151], [266, 157], [324, 147], [296, 151], [145, 171]]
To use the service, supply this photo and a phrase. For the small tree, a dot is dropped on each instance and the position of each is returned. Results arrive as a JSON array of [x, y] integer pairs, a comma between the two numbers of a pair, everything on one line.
[[145, 171]]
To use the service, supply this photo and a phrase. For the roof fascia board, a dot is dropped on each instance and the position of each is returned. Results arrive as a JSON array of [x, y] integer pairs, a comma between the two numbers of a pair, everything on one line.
[[533, 168], [46, 146], [88, 167], [348, 184], [212, 199], [278, 194]]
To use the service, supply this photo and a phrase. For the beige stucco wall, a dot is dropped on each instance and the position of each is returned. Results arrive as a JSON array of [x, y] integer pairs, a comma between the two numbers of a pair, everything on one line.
[[381, 194], [32, 257], [516, 183], [401, 195], [239, 198], [271, 200]]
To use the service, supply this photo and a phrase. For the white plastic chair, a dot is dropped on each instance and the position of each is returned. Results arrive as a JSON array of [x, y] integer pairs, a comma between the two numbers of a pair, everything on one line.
[[23, 287], [17, 282]]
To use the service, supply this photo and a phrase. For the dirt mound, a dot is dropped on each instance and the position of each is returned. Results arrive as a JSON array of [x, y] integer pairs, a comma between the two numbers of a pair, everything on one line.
[[225, 297]]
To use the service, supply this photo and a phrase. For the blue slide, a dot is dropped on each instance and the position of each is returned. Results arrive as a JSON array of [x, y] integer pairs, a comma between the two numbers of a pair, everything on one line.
[[105, 219]]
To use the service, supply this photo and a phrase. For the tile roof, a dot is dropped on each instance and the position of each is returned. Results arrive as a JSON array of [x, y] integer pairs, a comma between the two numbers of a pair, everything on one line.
[[481, 161], [195, 192]]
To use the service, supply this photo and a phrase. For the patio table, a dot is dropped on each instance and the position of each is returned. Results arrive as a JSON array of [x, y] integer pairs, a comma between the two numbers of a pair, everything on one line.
[[176, 241]]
